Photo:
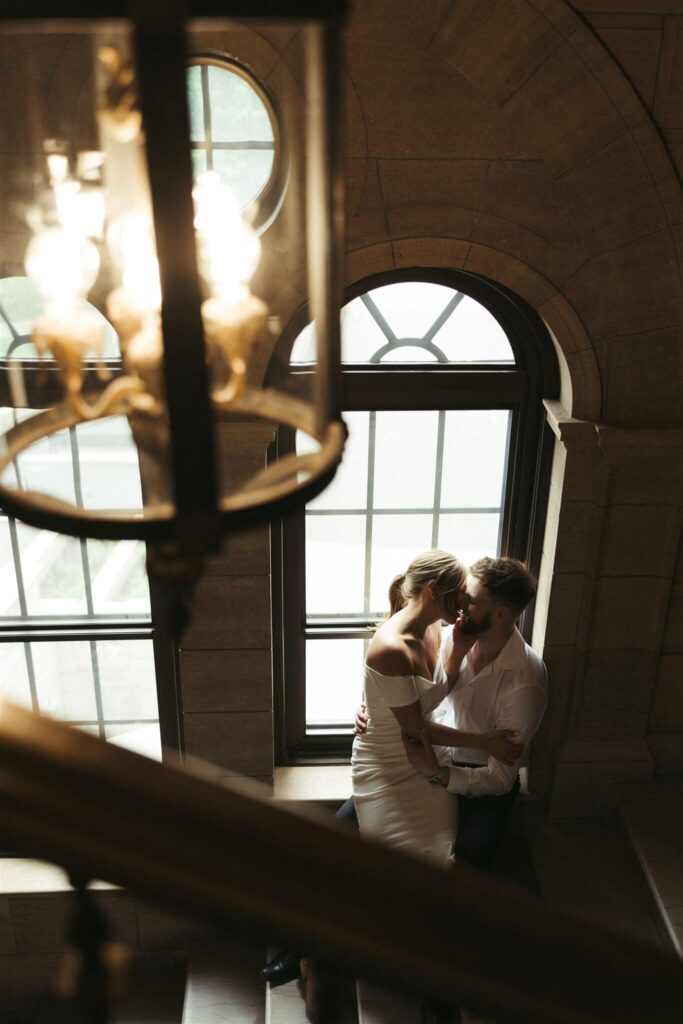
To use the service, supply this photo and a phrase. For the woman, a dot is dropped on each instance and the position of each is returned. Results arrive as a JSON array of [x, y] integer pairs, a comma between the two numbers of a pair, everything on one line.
[[404, 682]]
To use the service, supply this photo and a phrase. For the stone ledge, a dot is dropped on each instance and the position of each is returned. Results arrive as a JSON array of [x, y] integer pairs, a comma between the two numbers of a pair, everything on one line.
[[320, 783], [21, 875]]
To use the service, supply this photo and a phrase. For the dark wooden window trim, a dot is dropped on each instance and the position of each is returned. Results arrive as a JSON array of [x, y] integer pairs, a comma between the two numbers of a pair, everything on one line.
[[520, 387]]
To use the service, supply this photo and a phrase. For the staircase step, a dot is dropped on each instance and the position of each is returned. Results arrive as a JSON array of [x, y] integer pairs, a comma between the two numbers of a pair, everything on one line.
[[652, 813], [224, 985]]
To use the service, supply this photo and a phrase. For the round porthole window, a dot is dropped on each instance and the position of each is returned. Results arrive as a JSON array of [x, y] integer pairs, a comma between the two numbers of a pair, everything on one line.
[[235, 132]]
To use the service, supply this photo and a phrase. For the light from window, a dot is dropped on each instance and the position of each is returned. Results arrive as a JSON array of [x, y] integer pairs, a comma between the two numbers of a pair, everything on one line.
[[414, 322], [231, 127]]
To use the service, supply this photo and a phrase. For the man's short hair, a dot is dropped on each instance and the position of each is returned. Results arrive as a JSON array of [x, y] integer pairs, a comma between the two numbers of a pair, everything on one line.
[[507, 580]]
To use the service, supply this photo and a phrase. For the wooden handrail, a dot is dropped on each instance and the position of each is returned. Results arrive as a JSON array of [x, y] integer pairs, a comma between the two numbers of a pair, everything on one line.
[[226, 853]]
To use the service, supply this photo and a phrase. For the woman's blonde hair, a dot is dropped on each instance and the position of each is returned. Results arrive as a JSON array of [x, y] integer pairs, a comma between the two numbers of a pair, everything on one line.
[[437, 569]]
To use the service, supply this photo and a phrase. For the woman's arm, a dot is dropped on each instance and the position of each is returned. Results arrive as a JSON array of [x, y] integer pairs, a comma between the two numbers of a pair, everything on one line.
[[456, 645], [496, 744]]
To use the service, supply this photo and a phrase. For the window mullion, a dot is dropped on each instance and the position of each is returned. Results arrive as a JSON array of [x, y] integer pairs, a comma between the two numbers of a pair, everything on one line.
[[438, 476], [372, 429]]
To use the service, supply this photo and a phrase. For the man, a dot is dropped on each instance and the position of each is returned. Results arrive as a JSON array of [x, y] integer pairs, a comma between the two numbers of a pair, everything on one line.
[[501, 684]]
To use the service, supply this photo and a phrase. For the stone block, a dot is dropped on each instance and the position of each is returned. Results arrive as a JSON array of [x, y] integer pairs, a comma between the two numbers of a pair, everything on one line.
[[242, 554], [430, 252], [649, 474], [667, 706], [422, 124], [567, 596], [640, 278], [667, 102], [367, 227], [239, 743], [633, 393], [426, 219], [667, 750], [230, 612], [550, 109], [477, 32], [619, 680], [586, 773], [636, 48], [441, 182], [560, 661], [578, 534], [673, 631], [226, 680], [611, 197], [367, 260], [641, 540], [629, 612]]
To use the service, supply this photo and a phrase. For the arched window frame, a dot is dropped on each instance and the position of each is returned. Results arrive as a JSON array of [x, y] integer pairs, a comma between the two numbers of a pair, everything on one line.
[[520, 386]]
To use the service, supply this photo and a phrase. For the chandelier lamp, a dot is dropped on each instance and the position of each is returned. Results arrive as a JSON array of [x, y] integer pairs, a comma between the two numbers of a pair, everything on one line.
[[130, 232]]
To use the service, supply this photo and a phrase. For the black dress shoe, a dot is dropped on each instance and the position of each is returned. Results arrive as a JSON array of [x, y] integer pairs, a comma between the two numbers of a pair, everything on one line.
[[282, 968]]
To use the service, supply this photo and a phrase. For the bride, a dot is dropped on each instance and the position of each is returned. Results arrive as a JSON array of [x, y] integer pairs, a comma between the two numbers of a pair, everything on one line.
[[406, 678]]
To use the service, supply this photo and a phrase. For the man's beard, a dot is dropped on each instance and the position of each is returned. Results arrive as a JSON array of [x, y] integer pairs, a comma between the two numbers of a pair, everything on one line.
[[472, 627]]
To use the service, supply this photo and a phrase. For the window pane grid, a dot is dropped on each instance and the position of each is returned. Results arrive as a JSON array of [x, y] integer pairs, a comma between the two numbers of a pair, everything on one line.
[[436, 525]]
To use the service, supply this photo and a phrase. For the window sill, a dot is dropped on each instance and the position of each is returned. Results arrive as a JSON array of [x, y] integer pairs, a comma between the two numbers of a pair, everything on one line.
[[324, 784], [20, 876]]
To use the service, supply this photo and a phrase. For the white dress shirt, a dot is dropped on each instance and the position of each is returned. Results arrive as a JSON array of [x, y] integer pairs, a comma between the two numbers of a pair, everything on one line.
[[509, 693]]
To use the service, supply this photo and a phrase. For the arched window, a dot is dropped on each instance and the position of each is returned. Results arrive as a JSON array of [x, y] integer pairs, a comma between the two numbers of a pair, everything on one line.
[[77, 637], [443, 379], [235, 131]]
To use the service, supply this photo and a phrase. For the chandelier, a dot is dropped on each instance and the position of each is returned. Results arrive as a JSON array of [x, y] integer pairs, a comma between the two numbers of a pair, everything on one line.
[[169, 255]]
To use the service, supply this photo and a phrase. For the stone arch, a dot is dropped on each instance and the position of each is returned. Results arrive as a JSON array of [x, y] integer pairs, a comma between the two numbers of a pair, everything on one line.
[[578, 367]]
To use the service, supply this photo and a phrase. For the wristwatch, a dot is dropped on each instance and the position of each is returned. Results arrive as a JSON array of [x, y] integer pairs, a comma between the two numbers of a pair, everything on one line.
[[437, 780]]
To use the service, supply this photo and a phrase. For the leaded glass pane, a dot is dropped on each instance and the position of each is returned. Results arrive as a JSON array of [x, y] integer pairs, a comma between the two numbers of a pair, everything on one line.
[[237, 111], [118, 578], [64, 680], [472, 335], [245, 170], [127, 679], [475, 449], [469, 536], [349, 489], [108, 461], [335, 564], [52, 573], [411, 307], [9, 592], [334, 680], [395, 542], [405, 459], [14, 678]]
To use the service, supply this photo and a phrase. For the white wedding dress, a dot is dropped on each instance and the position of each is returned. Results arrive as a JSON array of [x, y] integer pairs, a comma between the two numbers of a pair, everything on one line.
[[393, 802]]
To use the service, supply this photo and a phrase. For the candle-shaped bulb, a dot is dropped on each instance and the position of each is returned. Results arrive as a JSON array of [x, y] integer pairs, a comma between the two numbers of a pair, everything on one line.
[[132, 240], [228, 248], [63, 264]]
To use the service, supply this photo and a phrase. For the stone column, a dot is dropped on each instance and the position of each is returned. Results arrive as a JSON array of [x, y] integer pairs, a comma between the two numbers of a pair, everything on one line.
[[225, 657], [605, 587]]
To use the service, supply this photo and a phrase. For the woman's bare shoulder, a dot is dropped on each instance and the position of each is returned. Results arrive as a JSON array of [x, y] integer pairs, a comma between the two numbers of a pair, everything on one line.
[[389, 653]]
